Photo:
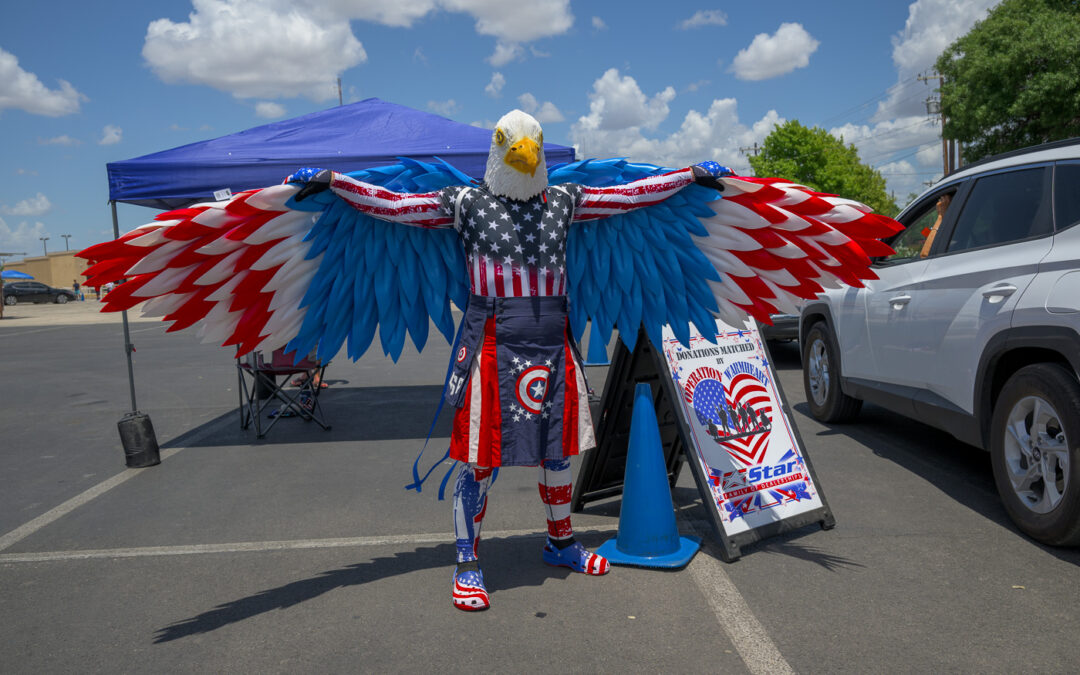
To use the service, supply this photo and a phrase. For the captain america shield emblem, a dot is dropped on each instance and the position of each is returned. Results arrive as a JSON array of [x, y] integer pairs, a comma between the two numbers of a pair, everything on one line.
[[461, 354], [531, 387]]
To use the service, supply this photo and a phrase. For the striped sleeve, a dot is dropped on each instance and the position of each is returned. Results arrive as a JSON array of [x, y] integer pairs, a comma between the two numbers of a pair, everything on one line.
[[602, 202], [422, 209]]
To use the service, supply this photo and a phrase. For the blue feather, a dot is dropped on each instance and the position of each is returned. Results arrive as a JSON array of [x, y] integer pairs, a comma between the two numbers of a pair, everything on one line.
[[638, 268], [641, 267]]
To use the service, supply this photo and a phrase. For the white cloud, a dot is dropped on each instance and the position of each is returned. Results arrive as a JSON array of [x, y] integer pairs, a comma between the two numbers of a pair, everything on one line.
[[22, 90], [900, 140], [544, 113], [25, 172], [494, 88], [254, 49], [400, 14], [890, 145], [111, 135], [288, 48], [716, 134], [769, 56], [618, 103], [516, 22], [444, 108], [59, 140], [902, 178], [931, 153], [598, 23], [704, 17], [876, 143], [269, 109], [512, 24], [23, 238], [34, 206], [505, 52], [419, 56], [931, 26]]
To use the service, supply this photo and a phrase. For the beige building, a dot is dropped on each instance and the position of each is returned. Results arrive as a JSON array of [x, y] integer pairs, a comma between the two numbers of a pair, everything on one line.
[[58, 269]]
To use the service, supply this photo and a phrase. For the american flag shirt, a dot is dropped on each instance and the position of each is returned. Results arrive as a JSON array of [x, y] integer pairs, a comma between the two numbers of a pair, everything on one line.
[[513, 248]]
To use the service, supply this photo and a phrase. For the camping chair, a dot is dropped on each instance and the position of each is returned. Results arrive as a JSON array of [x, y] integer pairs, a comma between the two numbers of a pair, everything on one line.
[[264, 389]]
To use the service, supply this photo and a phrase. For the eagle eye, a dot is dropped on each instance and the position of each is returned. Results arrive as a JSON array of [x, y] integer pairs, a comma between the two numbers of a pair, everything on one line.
[[500, 137], [541, 138]]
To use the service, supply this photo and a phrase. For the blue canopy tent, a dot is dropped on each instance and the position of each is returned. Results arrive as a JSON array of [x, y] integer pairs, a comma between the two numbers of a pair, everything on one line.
[[14, 274], [351, 137]]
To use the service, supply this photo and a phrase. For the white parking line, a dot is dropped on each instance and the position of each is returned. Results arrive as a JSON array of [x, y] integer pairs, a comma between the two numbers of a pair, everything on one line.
[[734, 615], [256, 546], [20, 533], [750, 638]]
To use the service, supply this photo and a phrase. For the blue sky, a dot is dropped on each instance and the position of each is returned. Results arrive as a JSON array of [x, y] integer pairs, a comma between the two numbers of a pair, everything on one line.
[[83, 84]]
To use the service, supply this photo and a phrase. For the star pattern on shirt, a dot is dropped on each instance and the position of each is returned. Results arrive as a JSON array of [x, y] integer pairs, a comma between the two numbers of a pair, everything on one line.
[[514, 232]]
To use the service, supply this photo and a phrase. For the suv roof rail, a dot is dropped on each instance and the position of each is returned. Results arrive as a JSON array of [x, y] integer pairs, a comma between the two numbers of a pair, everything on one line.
[[1065, 142]]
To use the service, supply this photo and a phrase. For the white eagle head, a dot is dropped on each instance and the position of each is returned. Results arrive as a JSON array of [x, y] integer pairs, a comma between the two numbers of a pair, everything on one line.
[[516, 166]]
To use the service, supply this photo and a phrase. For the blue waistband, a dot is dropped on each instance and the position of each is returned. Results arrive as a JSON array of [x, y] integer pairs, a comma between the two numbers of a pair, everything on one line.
[[527, 306]]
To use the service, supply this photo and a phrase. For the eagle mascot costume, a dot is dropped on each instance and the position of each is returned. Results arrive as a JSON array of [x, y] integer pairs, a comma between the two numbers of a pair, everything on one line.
[[530, 254]]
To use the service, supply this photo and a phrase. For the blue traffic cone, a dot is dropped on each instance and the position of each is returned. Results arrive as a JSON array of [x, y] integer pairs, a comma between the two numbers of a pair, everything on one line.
[[647, 534]]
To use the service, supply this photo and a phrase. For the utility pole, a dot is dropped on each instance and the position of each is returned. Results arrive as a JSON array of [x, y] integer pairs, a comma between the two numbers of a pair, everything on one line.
[[66, 237], [45, 246], [950, 150], [751, 150]]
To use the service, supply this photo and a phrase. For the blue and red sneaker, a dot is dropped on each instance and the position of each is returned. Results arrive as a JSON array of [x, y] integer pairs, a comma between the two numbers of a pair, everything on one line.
[[577, 558], [469, 592]]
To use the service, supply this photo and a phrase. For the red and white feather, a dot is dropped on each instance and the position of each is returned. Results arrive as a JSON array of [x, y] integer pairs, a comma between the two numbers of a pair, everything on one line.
[[776, 243], [239, 267]]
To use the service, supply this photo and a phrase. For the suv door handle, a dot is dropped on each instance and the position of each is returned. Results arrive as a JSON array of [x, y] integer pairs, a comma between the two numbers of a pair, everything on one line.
[[999, 293], [899, 301]]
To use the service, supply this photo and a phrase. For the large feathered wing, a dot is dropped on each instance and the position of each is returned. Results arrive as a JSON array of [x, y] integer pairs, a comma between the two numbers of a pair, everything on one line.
[[757, 248], [263, 271]]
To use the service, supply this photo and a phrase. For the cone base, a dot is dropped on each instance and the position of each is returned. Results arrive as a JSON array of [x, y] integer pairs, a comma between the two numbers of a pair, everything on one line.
[[688, 546]]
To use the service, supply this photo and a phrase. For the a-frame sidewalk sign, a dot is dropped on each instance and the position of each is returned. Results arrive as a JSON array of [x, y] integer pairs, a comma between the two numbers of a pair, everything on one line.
[[720, 407]]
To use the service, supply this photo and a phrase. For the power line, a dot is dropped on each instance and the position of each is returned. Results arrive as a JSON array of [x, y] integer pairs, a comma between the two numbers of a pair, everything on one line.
[[870, 101], [909, 173], [909, 154]]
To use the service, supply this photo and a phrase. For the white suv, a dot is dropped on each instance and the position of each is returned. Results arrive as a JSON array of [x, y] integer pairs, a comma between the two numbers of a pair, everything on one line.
[[973, 326]]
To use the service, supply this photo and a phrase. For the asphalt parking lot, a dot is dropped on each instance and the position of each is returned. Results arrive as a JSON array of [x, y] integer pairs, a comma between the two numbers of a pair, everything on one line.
[[303, 552]]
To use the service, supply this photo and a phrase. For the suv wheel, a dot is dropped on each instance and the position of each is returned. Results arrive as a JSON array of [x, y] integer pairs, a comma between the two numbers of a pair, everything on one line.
[[61, 299], [821, 378], [10, 300], [1035, 452]]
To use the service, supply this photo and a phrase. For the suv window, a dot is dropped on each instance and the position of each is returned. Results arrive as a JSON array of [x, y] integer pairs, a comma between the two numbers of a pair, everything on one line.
[[1001, 208], [1067, 195], [917, 238]]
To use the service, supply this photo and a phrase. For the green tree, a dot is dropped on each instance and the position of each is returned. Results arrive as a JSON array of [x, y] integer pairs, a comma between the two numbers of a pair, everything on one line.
[[817, 159], [1014, 80]]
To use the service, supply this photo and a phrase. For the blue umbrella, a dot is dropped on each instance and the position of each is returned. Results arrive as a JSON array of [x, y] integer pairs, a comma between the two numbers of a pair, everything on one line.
[[14, 274]]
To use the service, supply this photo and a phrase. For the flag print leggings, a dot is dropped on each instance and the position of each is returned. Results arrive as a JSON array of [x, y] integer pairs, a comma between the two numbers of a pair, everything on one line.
[[470, 503]]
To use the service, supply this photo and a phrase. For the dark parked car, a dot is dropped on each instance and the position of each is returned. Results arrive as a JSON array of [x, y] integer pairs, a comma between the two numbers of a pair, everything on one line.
[[784, 328], [35, 291]]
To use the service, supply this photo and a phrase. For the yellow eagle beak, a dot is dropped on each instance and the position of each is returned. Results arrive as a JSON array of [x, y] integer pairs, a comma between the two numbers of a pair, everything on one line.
[[524, 156]]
